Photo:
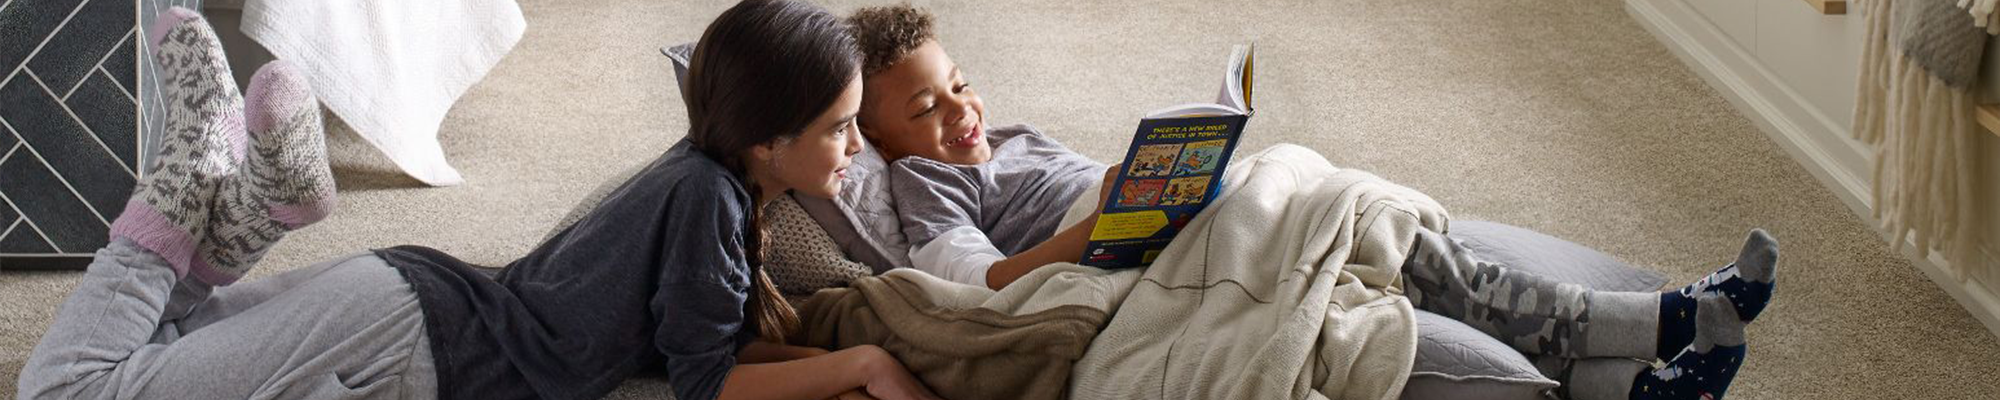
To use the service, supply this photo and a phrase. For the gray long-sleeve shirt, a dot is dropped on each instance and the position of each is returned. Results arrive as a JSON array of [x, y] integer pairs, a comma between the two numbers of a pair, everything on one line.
[[1017, 199], [655, 278]]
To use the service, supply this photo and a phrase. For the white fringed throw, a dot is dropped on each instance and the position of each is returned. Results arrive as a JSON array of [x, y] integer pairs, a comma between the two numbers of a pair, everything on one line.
[[1921, 126]]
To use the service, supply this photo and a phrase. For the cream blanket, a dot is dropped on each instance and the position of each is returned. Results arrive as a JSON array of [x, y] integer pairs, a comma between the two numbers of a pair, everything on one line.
[[1286, 287], [1914, 110]]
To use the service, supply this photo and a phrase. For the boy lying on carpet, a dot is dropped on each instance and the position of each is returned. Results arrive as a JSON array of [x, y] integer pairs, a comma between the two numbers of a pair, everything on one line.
[[983, 207]]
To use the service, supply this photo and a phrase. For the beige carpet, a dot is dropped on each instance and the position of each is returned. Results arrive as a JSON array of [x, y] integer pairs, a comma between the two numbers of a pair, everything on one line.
[[1559, 115]]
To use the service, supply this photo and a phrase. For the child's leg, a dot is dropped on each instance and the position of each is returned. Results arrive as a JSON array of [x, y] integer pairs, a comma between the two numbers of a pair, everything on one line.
[[1541, 316], [285, 183], [1700, 371], [113, 312], [228, 301], [342, 332], [1531, 313], [1705, 368], [203, 143], [1602, 378], [229, 183], [1746, 284], [353, 330], [211, 204]]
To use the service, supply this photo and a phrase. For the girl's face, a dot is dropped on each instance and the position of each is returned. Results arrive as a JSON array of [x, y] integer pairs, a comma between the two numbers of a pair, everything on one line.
[[923, 106], [813, 163]]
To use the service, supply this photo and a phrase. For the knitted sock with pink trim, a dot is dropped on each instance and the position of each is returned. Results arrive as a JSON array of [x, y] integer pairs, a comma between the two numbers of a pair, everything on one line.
[[201, 146], [286, 182]]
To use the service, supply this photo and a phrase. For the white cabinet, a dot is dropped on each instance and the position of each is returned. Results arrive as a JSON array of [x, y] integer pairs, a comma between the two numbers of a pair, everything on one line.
[[1736, 18], [1817, 55]]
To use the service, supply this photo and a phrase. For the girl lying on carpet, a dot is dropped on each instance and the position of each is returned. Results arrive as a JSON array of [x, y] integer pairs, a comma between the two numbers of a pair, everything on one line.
[[982, 206], [666, 273]]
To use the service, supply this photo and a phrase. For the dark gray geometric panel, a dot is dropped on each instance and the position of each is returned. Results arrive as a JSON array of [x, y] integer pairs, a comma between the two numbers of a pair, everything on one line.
[[60, 215], [76, 49], [23, 240], [67, 147], [7, 140], [34, 263], [123, 62], [7, 215], [116, 124], [25, 23], [69, 77]]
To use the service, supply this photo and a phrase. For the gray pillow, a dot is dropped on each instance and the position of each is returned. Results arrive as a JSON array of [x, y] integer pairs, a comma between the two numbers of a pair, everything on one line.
[[1455, 361], [1527, 250], [682, 55], [862, 218]]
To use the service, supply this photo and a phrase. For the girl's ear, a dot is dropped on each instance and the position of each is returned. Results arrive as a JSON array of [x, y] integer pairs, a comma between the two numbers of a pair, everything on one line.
[[764, 153]]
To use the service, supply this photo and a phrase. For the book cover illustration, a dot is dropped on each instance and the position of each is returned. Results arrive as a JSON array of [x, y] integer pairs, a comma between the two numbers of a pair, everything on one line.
[[1172, 171], [1154, 160], [1190, 190], [1140, 192], [1200, 157]]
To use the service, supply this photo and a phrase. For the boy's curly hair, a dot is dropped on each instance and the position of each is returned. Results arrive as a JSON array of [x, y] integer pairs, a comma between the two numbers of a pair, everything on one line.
[[887, 34]]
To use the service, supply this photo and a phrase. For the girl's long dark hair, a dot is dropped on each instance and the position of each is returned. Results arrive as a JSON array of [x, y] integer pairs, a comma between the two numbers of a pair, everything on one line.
[[761, 74]]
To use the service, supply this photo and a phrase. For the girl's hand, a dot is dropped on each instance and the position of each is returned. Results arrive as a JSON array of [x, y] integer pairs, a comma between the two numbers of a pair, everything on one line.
[[889, 380]]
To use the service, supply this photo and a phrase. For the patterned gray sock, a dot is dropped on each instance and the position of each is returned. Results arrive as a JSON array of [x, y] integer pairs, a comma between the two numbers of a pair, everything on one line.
[[202, 145], [286, 183]]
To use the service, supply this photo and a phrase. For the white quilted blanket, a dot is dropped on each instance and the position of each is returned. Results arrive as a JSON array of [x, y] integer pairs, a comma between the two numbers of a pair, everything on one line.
[[1286, 287]]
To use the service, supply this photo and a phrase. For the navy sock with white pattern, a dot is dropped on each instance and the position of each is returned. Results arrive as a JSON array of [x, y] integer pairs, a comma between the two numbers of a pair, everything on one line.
[[1746, 284], [1704, 369]]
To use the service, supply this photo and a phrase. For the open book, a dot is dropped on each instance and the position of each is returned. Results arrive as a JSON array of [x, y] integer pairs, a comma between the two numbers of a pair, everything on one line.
[[1172, 171]]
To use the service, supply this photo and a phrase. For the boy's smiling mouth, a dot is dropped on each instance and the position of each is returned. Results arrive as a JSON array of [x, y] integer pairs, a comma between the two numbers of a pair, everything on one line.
[[969, 139]]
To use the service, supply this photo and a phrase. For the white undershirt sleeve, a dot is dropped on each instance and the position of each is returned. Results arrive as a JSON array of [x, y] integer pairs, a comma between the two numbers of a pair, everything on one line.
[[962, 255]]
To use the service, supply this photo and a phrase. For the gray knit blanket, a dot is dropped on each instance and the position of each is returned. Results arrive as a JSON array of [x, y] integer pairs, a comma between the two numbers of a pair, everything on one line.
[[1940, 37]]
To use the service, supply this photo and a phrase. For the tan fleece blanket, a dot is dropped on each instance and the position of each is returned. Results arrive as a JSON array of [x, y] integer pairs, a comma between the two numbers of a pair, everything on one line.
[[968, 342], [1286, 287]]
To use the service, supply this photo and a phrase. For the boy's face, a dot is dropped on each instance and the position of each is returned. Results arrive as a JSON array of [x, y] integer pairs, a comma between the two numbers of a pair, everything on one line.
[[922, 106]]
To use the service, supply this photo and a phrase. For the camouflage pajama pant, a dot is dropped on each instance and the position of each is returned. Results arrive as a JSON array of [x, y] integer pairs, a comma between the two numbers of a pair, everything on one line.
[[1531, 313]]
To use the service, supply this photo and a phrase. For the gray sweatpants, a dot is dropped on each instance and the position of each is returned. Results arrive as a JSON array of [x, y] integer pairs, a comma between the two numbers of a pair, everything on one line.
[[1588, 340], [350, 328]]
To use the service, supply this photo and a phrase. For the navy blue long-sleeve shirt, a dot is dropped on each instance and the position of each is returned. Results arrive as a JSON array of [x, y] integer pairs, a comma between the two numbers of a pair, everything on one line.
[[655, 277]]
